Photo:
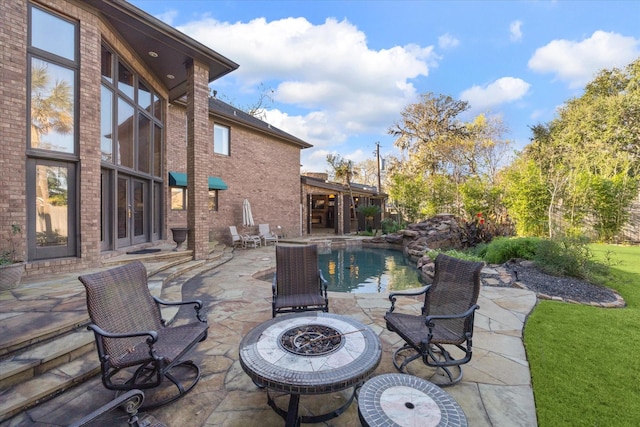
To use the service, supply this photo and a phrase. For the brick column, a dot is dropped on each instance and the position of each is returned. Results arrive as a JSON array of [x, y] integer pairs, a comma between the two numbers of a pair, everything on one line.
[[13, 102], [199, 148]]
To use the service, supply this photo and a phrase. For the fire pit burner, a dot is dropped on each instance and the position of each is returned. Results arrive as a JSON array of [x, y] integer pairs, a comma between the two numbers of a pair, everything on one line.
[[311, 340]]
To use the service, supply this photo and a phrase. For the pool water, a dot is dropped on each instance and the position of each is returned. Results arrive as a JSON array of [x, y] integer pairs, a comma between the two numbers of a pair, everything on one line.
[[367, 270]]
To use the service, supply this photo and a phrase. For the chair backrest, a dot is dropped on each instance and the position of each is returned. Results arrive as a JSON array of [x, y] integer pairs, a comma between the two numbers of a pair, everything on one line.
[[455, 288], [119, 301], [264, 230], [297, 269], [234, 233]]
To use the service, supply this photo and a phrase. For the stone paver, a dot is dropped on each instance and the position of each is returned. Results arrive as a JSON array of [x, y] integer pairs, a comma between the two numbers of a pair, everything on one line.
[[495, 390]]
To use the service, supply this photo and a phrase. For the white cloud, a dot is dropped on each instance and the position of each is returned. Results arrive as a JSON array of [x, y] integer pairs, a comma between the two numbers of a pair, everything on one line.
[[578, 62], [168, 16], [501, 91], [515, 31], [447, 41], [337, 87]]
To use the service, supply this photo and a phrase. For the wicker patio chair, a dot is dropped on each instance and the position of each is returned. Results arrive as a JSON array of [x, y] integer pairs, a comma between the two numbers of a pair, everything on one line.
[[137, 348], [441, 336], [298, 284]]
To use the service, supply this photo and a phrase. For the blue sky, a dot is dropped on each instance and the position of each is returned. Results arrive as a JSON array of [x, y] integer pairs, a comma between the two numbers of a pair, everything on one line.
[[342, 71]]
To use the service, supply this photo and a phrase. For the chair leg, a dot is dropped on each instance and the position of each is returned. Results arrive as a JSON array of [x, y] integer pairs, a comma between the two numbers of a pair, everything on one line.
[[406, 359], [442, 359], [157, 396], [435, 357]]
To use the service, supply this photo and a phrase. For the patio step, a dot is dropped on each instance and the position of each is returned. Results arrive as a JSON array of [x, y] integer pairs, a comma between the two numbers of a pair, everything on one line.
[[45, 364], [45, 370]]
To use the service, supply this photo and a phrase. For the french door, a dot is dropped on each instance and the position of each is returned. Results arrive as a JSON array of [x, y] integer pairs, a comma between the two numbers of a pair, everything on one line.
[[132, 206]]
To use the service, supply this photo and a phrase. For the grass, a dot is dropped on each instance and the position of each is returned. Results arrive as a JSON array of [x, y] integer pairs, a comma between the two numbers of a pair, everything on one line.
[[585, 361]]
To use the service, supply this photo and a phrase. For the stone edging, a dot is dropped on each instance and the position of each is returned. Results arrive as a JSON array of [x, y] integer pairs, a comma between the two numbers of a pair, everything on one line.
[[618, 303]]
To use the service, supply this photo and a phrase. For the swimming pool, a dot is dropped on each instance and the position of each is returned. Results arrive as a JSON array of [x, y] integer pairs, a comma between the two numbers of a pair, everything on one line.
[[361, 269]]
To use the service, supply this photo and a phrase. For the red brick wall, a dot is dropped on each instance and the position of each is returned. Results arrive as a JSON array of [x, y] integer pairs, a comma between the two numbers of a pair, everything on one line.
[[13, 86], [261, 168], [197, 158], [13, 124], [13, 99]]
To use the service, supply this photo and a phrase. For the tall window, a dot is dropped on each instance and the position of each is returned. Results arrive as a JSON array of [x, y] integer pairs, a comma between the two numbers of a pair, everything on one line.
[[221, 139], [131, 145], [52, 154]]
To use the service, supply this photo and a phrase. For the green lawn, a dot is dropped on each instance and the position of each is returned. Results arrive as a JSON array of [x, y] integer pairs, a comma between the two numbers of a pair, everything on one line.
[[585, 361]]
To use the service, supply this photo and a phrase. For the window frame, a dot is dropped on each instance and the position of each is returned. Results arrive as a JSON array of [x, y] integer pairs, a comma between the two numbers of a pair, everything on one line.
[[213, 202], [39, 156], [220, 148], [185, 198]]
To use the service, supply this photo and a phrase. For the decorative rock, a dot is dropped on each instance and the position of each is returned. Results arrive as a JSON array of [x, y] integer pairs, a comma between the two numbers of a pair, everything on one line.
[[410, 233], [393, 239]]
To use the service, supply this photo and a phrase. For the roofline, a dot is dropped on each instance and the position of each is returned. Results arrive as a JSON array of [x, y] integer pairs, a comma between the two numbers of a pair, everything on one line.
[[270, 130], [284, 135], [316, 182], [145, 18]]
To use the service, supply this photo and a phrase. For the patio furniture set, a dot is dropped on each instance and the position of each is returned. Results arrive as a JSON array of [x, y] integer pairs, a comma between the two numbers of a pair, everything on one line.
[[308, 351], [245, 240]]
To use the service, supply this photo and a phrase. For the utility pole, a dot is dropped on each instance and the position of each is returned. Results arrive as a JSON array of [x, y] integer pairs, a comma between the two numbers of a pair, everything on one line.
[[377, 153], [382, 202]]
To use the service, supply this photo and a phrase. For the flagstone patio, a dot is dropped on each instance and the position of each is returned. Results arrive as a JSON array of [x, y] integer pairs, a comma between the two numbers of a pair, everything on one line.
[[495, 390]]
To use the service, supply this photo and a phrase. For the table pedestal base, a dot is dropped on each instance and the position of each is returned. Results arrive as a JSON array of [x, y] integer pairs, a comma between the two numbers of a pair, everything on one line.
[[292, 418]]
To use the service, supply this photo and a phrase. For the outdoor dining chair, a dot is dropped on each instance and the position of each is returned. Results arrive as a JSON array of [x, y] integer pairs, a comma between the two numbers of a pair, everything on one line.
[[243, 240], [267, 235], [136, 346], [441, 335], [298, 284]]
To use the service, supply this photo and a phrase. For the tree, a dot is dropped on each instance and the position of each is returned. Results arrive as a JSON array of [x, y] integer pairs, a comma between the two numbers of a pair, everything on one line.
[[446, 152], [344, 170], [527, 197], [258, 108], [368, 172], [430, 130], [369, 212], [587, 158], [407, 194]]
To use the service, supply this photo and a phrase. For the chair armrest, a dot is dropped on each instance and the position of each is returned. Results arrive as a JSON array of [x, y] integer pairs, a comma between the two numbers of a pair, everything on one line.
[[323, 281], [393, 296], [153, 335], [130, 401], [196, 302], [429, 319], [274, 285]]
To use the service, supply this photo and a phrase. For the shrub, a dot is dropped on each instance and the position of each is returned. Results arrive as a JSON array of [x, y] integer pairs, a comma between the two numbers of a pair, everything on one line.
[[567, 256], [466, 255], [479, 250], [502, 249], [389, 226]]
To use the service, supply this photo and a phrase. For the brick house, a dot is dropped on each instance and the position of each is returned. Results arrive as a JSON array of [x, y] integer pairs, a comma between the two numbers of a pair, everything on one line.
[[107, 125], [251, 160]]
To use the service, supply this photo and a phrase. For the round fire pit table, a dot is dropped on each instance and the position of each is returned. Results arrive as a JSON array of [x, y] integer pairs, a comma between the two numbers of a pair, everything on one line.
[[406, 401], [309, 353]]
